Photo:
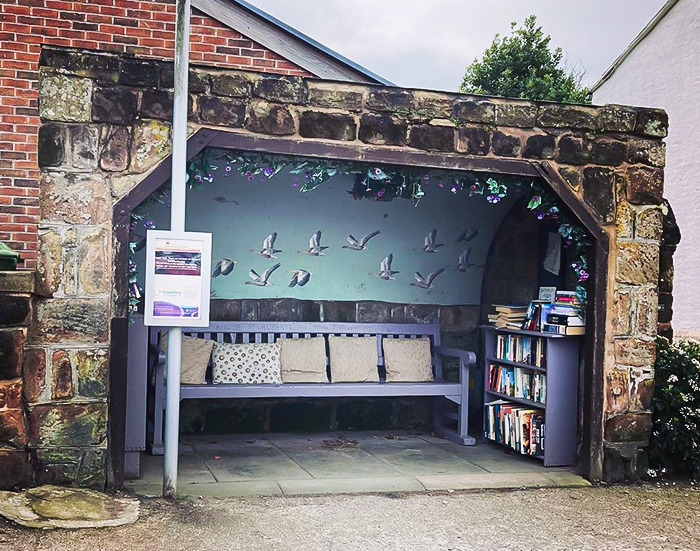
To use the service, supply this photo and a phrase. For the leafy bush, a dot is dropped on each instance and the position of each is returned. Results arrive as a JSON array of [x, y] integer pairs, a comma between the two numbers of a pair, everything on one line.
[[675, 441]]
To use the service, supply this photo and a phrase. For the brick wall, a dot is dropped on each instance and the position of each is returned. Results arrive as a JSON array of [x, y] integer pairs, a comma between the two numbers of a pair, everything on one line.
[[146, 29]]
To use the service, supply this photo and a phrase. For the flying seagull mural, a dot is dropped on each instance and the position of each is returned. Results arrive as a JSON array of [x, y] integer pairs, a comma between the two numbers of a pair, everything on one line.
[[360, 245], [262, 280], [467, 235], [268, 247], [385, 271], [426, 282], [224, 267], [300, 278], [430, 246], [463, 264], [315, 248]]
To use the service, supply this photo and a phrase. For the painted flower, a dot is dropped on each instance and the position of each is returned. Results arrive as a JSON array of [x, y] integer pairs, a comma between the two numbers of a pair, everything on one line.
[[228, 168], [269, 171], [426, 176], [377, 171], [251, 178], [295, 184], [583, 275], [441, 184], [381, 192], [149, 224], [454, 188], [248, 174], [491, 198]]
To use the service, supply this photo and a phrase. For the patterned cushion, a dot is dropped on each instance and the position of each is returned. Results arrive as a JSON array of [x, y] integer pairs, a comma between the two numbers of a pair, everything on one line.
[[195, 358], [303, 360], [246, 363], [353, 359], [407, 360]]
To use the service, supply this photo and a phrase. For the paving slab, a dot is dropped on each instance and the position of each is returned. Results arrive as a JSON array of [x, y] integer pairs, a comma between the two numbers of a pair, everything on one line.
[[423, 459], [191, 468], [484, 481], [351, 485], [254, 463]]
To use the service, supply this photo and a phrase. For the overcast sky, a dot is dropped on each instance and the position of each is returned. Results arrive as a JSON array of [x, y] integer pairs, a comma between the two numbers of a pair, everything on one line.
[[428, 43]]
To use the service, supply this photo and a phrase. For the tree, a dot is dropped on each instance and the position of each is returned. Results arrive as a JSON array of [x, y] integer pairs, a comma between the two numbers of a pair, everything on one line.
[[522, 65]]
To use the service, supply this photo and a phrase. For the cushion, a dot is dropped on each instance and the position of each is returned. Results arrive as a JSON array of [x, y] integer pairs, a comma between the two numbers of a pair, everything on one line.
[[246, 364], [195, 358], [353, 359], [303, 360], [407, 360]]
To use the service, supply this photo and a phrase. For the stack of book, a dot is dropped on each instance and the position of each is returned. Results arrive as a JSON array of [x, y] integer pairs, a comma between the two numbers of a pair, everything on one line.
[[511, 317], [518, 427], [518, 382], [565, 317]]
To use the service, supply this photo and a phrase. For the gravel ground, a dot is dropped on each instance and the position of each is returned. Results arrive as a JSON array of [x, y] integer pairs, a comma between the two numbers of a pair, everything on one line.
[[621, 517]]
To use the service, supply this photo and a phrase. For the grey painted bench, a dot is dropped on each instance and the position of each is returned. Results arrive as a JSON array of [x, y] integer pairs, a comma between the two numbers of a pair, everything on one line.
[[261, 332]]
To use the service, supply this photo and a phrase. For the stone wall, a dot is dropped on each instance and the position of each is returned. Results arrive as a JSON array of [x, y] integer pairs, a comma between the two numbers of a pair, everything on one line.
[[101, 137]]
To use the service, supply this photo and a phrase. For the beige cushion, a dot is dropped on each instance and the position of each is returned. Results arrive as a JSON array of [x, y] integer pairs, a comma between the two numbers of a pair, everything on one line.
[[246, 364], [303, 360], [407, 360], [195, 358], [353, 359]]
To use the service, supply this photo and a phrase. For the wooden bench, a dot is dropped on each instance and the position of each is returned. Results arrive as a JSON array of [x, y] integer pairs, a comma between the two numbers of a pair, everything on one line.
[[262, 332]]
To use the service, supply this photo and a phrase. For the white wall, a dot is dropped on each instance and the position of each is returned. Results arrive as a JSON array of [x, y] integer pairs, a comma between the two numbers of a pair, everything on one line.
[[664, 71]]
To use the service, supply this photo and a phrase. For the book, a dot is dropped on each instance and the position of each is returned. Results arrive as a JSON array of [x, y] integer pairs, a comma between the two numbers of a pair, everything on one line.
[[569, 330]]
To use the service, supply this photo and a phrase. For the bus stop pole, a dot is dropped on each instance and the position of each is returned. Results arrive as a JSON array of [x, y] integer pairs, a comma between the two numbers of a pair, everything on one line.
[[177, 223]]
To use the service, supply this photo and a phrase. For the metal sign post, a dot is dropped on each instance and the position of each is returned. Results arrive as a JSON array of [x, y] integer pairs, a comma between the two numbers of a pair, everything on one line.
[[177, 223]]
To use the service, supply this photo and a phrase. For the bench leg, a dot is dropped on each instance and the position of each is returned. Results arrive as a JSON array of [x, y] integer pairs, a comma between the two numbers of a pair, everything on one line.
[[463, 422], [157, 447]]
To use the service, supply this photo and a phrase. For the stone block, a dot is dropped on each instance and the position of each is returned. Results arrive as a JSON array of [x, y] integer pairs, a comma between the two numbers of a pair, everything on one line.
[[71, 320], [624, 220], [516, 114], [68, 425], [505, 145], [65, 98], [13, 429], [225, 310], [649, 224], [49, 261], [622, 313], [220, 111], [377, 312], [628, 427], [84, 64], [477, 111], [116, 145], [11, 394], [651, 122], [665, 307], [198, 82], [17, 282], [15, 310], [645, 185], [432, 138], [273, 119], [83, 142], [459, 318], [138, 72], [634, 352], [92, 262], [648, 152], [17, 471], [233, 85], [334, 98], [617, 118], [115, 105], [431, 105], [51, 146], [151, 144], [382, 129], [421, 313], [571, 175], [617, 390], [567, 116], [74, 198], [284, 309], [389, 99], [34, 373], [92, 369], [474, 140], [11, 344], [608, 152], [93, 469], [61, 375], [57, 466], [332, 126], [338, 311], [573, 151], [157, 104], [167, 75], [598, 192], [539, 146], [641, 389], [637, 263], [665, 271], [671, 235], [282, 89]]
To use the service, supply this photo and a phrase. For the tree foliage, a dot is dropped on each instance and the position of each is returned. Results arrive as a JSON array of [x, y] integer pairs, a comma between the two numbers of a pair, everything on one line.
[[523, 65]]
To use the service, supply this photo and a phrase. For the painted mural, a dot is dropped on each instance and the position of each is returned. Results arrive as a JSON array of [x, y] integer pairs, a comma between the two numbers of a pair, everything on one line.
[[271, 241]]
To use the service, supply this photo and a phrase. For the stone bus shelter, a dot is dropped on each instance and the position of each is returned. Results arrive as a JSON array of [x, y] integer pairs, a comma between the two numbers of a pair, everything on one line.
[[104, 146]]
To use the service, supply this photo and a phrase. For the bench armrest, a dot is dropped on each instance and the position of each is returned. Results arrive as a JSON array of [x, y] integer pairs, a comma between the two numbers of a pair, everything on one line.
[[466, 356]]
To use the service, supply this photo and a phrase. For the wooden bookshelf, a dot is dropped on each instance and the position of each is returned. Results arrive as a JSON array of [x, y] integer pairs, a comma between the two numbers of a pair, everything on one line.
[[561, 401]]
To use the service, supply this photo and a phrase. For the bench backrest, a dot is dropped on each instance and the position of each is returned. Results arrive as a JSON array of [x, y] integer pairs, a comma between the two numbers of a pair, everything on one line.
[[267, 332]]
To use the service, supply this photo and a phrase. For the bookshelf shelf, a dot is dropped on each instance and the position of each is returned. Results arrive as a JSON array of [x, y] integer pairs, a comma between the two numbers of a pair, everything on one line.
[[561, 407]]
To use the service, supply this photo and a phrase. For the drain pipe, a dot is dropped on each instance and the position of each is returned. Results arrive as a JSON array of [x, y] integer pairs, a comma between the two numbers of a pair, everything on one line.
[[177, 223]]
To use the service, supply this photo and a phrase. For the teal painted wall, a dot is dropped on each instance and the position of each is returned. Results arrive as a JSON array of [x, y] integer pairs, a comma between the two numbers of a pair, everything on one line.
[[240, 214]]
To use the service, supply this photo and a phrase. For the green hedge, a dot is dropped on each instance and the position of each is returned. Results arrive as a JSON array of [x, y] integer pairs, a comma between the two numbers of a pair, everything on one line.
[[675, 443]]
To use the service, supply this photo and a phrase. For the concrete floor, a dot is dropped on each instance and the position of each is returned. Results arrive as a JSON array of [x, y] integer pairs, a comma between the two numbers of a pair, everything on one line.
[[349, 462]]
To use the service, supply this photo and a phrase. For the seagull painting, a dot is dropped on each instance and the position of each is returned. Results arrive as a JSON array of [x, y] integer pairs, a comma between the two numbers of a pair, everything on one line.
[[268, 248], [430, 246], [467, 235], [300, 277], [463, 264], [224, 267], [262, 280], [360, 245], [315, 248], [426, 282], [385, 271]]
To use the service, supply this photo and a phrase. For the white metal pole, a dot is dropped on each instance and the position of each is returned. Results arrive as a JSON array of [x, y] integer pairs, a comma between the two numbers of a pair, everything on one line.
[[177, 223]]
